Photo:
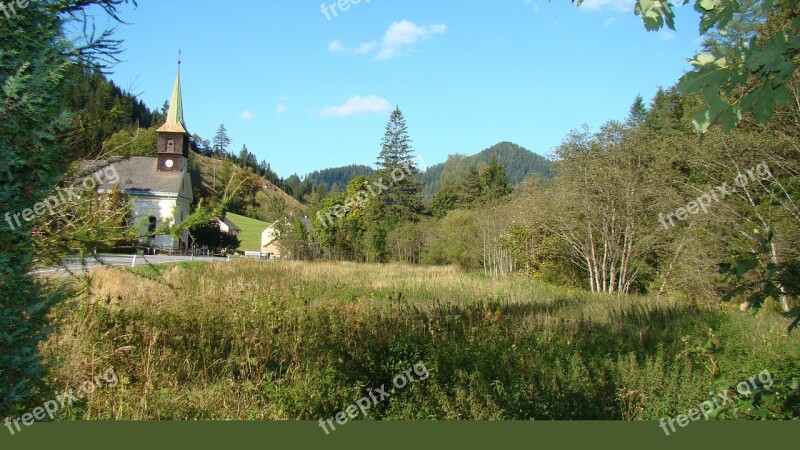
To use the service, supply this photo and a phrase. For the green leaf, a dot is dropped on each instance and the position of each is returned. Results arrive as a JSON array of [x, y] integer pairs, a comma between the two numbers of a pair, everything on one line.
[[705, 58], [702, 121], [708, 5]]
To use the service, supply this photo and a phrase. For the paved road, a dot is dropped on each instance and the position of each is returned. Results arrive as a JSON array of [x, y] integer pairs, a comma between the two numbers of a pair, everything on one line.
[[74, 264]]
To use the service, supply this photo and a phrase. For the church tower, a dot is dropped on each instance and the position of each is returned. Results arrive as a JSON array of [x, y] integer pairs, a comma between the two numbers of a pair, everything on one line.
[[173, 139]]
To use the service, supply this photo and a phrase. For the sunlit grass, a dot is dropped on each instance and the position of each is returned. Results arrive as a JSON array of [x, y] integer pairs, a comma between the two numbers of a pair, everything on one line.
[[292, 340]]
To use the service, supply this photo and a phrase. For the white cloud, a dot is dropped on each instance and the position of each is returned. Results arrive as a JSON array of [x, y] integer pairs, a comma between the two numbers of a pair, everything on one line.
[[247, 116], [365, 48], [610, 21], [280, 109], [359, 105], [533, 5], [338, 47], [404, 34], [667, 35], [399, 38], [616, 5]]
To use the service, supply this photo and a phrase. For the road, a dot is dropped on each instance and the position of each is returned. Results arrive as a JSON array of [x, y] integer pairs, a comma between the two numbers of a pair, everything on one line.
[[75, 266]]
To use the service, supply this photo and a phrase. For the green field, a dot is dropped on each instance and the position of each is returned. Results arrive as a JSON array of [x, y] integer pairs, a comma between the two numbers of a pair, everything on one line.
[[249, 340], [251, 232]]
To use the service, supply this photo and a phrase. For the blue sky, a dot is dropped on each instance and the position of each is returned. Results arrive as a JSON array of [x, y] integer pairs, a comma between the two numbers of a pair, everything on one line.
[[306, 93]]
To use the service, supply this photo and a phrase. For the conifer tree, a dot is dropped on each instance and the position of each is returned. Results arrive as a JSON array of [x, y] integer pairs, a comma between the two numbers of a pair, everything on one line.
[[399, 173], [36, 60], [638, 112], [221, 140]]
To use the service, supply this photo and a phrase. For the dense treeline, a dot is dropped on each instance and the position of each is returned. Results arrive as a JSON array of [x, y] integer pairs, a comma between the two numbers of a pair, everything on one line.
[[103, 109], [334, 179]]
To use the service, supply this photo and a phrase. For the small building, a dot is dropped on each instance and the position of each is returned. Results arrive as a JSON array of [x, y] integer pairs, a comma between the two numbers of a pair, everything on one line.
[[269, 240], [226, 225]]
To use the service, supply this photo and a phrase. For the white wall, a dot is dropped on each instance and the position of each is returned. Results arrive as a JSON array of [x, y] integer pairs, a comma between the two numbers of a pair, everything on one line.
[[162, 209]]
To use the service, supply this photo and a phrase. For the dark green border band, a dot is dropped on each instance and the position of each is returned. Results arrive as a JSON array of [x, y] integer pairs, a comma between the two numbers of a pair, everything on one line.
[[402, 435]]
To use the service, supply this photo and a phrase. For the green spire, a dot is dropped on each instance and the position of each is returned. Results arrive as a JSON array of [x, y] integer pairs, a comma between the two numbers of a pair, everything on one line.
[[175, 115]]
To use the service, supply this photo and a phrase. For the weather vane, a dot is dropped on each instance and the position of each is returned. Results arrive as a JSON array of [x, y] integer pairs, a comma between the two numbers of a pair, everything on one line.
[[179, 57]]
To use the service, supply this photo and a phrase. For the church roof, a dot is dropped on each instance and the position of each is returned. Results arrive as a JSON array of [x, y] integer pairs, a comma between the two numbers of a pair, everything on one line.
[[175, 121], [140, 176]]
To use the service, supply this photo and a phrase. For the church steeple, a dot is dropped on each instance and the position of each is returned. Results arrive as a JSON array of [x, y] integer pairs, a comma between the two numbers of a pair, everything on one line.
[[175, 121], [173, 139]]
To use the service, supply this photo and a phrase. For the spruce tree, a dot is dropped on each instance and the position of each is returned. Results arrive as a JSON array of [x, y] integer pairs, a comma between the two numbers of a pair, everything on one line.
[[638, 112], [399, 173]]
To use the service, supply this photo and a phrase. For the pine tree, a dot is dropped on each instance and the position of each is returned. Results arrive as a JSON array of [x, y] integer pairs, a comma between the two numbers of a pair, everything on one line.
[[221, 140], [638, 112], [398, 171]]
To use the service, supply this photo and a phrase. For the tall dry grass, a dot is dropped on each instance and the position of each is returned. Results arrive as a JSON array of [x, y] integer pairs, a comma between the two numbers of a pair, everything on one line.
[[255, 340]]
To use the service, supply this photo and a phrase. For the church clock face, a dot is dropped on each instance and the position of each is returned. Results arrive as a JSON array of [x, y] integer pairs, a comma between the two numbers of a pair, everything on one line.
[[169, 163]]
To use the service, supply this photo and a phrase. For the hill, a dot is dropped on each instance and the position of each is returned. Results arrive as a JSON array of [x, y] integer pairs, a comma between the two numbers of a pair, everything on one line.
[[324, 180], [518, 162], [267, 202], [251, 232]]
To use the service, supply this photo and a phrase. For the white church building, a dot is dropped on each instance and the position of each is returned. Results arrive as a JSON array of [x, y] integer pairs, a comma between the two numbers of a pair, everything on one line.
[[160, 187]]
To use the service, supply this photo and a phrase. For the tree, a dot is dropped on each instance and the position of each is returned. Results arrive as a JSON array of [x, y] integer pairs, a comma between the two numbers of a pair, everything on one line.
[[608, 190], [398, 171], [125, 143], [493, 181], [221, 141], [638, 112], [35, 122], [247, 159], [740, 30], [752, 78], [206, 149], [209, 234]]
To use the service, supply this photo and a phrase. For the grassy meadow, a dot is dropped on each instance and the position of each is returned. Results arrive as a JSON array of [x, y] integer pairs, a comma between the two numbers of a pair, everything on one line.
[[254, 340], [251, 232]]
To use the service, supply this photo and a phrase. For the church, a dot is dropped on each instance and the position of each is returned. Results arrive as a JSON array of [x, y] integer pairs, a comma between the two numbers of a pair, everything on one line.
[[159, 188]]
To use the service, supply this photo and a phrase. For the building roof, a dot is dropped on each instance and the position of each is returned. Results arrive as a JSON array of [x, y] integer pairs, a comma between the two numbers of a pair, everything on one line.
[[229, 223], [138, 175], [175, 123]]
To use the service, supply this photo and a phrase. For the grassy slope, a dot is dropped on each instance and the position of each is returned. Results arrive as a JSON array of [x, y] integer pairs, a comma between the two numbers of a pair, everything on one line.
[[255, 340], [251, 232], [207, 167]]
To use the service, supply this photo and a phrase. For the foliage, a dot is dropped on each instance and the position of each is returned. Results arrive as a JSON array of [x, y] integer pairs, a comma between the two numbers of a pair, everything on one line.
[[126, 143], [35, 61], [323, 180], [752, 78], [209, 235], [777, 281]]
